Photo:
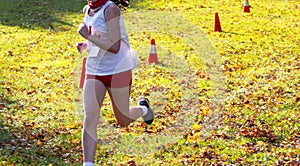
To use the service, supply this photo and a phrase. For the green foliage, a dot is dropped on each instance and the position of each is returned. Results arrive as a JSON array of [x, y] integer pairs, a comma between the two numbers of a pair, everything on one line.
[[40, 104]]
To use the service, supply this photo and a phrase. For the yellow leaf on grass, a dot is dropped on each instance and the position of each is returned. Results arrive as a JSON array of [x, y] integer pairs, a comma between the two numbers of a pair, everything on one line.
[[196, 127], [243, 141], [260, 143], [72, 126], [76, 141], [36, 126], [205, 112], [196, 136], [224, 157], [189, 139], [39, 143]]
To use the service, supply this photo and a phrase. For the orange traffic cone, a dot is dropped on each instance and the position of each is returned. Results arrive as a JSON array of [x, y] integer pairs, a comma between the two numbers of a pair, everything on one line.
[[217, 23], [82, 76], [152, 58], [246, 7]]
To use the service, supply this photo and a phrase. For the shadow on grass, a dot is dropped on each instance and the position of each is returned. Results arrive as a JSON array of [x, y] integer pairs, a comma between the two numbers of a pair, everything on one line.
[[38, 13], [45, 14], [23, 142], [4, 134]]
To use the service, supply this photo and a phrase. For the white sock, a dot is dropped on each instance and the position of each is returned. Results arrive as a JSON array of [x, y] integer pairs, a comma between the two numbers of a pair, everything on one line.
[[145, 110], [88, 164]]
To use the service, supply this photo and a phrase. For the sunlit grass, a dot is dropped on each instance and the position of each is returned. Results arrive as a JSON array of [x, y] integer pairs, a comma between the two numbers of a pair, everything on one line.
[[259, 52]]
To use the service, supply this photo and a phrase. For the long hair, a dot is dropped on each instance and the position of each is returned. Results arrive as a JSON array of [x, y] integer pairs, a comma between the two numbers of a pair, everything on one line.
[[123, 4]]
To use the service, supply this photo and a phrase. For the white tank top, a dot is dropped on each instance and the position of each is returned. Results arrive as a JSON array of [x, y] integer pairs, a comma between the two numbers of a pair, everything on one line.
[[105, 62]]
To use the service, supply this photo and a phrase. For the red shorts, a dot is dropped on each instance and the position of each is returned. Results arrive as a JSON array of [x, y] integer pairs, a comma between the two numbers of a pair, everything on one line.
[[119, 80]]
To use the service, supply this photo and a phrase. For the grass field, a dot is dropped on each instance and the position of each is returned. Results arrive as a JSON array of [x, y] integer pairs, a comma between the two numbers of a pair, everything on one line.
[[228, 97]]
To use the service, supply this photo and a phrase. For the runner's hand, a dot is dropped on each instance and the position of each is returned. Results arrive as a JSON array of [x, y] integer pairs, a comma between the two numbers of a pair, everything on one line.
[[83, 30], [81, 46]]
